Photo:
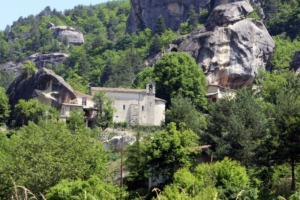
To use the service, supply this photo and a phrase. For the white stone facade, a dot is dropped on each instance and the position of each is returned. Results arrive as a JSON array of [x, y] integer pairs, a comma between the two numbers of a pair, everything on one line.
[[136, 106]]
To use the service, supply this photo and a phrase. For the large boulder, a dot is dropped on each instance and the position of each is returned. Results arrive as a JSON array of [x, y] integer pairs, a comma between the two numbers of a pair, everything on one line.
[[230, 48], [116, 143], [44, 85], [144, 13], [67, 33]]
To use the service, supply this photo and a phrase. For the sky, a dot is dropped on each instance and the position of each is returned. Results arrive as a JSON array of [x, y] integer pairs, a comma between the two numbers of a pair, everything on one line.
[[11, 10]]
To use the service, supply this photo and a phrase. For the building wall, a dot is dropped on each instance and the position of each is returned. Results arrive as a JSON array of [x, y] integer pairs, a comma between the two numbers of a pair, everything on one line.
[[160, 107]]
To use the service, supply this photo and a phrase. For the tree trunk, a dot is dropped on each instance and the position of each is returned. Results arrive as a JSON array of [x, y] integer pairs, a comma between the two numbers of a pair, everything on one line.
[[293, 186]]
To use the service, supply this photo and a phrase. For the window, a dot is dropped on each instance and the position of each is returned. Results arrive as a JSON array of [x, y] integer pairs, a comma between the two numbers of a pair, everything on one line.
[[124, 107], [83, 101], [142, 108]]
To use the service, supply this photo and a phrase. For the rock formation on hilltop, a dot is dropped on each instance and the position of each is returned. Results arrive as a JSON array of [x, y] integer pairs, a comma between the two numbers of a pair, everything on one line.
[[40, 60], [231, 48], [70, 34], [44, 85], [144, 13]]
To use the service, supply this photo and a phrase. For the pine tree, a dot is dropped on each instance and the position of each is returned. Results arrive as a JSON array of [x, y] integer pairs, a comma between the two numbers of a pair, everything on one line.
[[160, 27], [192, 19], [156, 45]]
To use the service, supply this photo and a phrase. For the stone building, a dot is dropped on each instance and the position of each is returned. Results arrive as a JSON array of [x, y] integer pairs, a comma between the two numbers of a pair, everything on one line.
[[136, 106]]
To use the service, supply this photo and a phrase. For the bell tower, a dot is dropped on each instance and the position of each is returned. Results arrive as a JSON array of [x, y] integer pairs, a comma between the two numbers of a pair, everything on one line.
[[150, 87]]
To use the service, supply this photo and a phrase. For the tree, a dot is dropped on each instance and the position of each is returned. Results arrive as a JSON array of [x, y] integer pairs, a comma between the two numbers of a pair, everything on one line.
[[192, 19], [4, 107], [225, 179], [76, 121], [33, 110], [40, 156], [237, 127], [169, 150], [156, 45], [105, 113], [93, 188], [160, 27], [182, 110], [29, 68], [178, 73]]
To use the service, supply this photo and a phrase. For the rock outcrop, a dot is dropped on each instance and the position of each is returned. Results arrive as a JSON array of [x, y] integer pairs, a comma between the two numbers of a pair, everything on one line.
[[144, 13], [44, 85], [295, 64], [230, 48], [41, 60], [12, 67], [67, 33], [116, 143]]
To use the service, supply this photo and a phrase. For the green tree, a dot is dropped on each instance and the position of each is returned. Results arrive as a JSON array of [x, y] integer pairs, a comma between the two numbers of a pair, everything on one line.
[[4, 107], [93, 188], [192, 19], [40, 156], [160, 27], [169, 150], [105, 113], [28, 69], [33, 110], [76, 121], [225, 179], [156, 45], [178, 73], [182, 110], [236, 127]]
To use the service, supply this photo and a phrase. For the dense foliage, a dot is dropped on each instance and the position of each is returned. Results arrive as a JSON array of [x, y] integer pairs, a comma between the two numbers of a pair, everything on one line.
[[253, 138]]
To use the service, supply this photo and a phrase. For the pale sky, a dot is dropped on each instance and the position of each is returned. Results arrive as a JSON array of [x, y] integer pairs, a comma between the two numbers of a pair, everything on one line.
[[11, 10]]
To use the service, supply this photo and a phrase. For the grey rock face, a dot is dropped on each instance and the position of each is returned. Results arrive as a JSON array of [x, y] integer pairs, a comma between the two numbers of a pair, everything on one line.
[[43, 80], [41, 60], [69, 33], [12, 67], [144, 13], [231, 48], [116, 143], [295, 64]]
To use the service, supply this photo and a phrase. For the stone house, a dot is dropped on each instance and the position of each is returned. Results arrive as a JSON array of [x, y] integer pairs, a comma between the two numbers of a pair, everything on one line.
[[136, 106], [215, 92]]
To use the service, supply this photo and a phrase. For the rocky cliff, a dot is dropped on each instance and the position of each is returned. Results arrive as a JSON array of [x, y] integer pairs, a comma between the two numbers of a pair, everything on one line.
[[44, 85], [144, 13], [40, 60], [230, 48]]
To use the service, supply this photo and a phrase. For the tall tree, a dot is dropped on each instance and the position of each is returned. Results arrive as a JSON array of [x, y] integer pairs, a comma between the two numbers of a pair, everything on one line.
[[160, 27], [105, 113], [4, 106], [192, 19], [236, 127], [182, 110], [170, 150], [178, 73]]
